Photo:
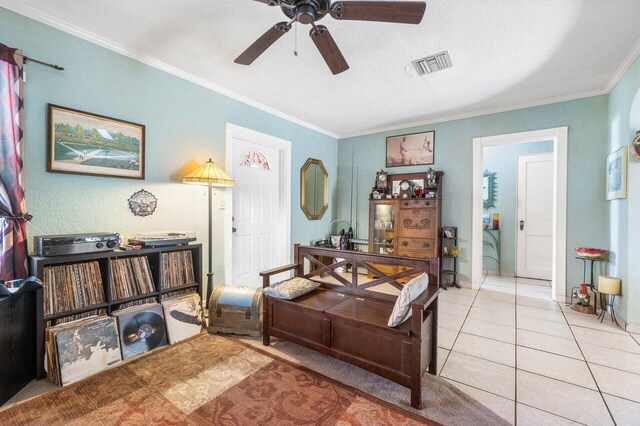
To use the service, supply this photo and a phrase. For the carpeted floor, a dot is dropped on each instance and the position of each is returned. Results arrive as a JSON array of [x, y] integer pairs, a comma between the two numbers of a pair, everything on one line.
[[443, 402], [208, 380]]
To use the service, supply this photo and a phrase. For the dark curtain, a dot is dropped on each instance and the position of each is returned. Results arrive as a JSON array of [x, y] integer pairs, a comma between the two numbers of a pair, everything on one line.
[[13, 214]]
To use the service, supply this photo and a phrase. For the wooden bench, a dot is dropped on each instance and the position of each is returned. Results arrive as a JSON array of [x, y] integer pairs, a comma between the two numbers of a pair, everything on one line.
[[348, 320]]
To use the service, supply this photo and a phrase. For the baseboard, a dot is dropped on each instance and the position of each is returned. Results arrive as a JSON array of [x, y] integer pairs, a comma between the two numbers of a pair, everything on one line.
[[465, 284], [629, 327], [495, 273]]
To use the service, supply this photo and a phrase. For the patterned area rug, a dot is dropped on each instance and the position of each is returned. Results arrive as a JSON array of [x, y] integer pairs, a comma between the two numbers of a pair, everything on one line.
[[442, 402], [208, 380]]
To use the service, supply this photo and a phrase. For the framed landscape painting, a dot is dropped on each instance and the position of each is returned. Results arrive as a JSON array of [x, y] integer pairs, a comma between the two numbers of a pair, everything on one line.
[[91, 144], [416, 149], [617, 174]]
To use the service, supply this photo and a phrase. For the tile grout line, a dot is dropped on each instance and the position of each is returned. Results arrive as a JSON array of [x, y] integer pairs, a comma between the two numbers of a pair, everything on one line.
[[620, 397], [480, 389], [591, 372], [515, 351], [485, 359], [549, 412], [545, 334], [613, 368], [548, 352], [465, 320]]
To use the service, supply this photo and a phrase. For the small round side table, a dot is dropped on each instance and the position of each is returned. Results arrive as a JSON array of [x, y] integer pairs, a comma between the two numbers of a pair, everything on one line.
[[591, 284]]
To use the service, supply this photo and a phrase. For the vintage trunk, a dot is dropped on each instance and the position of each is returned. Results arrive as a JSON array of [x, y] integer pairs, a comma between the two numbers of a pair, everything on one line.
[[237, 310]]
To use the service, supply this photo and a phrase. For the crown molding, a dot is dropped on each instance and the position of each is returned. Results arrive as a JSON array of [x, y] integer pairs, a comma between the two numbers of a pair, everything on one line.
[[478, 113], [624, 67], [30, 12]]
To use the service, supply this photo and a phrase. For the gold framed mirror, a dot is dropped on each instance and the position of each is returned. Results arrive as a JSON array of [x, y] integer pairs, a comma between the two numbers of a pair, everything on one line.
[[314, 189]]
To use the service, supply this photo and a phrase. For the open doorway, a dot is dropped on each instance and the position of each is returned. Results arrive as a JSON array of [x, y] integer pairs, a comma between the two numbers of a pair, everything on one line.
[[557, 140], [518, 210]]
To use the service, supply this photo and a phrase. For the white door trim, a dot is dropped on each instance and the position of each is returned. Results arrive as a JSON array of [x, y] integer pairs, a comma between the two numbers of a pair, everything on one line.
[[284, 146], [559, 136]]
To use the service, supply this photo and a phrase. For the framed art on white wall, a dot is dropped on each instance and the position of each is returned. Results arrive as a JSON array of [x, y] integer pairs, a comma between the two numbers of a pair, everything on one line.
[[617, 174]]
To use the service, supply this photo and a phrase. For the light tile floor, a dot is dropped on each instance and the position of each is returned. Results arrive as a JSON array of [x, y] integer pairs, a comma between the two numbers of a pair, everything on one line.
[[534, 361]]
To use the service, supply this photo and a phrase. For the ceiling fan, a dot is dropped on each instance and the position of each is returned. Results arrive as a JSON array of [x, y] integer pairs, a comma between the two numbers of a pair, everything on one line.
[[311, 11]]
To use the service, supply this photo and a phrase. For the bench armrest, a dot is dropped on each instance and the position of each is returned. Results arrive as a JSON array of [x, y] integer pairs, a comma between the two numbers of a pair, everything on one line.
[[425, 299], [279, 270]]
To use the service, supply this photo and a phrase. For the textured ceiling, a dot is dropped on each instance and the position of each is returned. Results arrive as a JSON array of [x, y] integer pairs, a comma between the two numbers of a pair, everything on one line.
[[505, 54]]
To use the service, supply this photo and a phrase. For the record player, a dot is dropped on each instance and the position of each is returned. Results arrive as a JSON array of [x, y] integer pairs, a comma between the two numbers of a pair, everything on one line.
[[163, 239]]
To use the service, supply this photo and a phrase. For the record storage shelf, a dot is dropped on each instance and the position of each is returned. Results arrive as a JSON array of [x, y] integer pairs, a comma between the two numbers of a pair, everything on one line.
[[37, 265]]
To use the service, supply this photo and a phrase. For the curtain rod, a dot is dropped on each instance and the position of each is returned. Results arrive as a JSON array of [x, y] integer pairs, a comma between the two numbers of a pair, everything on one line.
[[54, 66], [46, 64]]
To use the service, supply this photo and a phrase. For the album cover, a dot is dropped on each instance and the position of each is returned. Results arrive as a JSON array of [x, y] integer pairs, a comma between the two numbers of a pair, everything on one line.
[[83, 348], [141, 329], [183, 316]]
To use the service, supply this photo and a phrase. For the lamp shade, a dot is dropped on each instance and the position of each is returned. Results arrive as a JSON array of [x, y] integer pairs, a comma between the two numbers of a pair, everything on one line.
[[609, 285], [209, 174]]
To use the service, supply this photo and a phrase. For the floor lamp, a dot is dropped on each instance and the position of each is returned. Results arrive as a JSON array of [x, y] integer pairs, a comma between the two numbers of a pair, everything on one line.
[[211, 175]]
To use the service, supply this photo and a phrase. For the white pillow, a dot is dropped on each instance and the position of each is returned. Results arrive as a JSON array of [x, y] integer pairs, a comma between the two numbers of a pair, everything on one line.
[[411, 290], [290, 289]]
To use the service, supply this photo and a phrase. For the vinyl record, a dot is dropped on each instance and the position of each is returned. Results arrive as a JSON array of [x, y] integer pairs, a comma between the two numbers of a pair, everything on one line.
[[143, 332]]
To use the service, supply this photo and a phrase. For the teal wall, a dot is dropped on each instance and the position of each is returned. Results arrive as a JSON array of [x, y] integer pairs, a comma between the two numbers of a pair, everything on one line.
[[503, 160], [185, 125], [624, 215], [586, 210]]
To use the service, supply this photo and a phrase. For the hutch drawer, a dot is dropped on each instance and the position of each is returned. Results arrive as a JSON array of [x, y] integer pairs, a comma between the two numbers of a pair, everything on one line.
[[416, 244], [419, 203], [416, 253]]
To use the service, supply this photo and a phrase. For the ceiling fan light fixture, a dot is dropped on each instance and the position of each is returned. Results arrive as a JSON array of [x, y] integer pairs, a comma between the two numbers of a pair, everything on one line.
[[305, 14], [309, 12]]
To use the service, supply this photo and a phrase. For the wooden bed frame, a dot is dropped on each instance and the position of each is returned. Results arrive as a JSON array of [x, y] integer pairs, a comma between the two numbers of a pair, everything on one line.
[[348, 321]]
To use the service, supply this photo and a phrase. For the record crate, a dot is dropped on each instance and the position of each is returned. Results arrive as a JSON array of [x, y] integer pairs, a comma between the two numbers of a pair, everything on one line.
[[38, 266]]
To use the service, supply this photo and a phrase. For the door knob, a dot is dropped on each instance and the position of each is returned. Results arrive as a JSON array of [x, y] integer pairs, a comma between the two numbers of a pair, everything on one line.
[[233, 229], [521, 225]]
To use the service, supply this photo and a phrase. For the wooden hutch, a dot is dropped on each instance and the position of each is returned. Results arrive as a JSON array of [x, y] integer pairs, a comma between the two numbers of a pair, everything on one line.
[[408, 225]]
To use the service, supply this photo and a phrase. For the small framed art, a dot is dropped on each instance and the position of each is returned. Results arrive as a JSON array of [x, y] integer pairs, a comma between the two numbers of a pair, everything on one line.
[[617, 174], [90, 144], [415, 149]]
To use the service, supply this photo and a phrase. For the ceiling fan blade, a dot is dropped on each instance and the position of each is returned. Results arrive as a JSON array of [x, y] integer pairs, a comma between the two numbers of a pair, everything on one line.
[[404, 12], [263, 43], [328, 49]]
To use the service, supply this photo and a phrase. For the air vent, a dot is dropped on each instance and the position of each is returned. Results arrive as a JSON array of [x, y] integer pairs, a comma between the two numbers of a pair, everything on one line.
[[432, 63]]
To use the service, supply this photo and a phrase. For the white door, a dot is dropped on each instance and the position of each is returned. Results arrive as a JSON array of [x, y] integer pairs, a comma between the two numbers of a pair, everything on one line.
[[258, 238], [534, 225]]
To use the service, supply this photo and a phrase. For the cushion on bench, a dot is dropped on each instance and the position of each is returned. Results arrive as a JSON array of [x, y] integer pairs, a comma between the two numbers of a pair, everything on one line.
[[411, 290], [290, 289]]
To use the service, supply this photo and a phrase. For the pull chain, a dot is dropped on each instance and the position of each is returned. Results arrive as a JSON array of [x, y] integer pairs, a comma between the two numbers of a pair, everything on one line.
[[295, 46]]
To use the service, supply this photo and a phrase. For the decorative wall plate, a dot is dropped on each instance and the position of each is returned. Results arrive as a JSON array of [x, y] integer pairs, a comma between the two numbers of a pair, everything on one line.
[[143, 203]]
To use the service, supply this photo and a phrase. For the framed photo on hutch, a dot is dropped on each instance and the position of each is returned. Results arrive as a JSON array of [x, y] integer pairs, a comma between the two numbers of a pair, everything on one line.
[[415, 149], [89, 144]]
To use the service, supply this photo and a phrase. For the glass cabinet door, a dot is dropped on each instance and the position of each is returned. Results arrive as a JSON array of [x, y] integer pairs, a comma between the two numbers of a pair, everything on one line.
[[383, 228]]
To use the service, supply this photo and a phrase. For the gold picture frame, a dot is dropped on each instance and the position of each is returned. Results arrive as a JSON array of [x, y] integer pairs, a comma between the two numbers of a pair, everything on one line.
[[82, 143]]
